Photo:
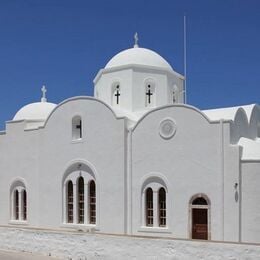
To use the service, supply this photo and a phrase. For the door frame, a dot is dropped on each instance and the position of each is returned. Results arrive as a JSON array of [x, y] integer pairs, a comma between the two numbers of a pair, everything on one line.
[[191, 207]]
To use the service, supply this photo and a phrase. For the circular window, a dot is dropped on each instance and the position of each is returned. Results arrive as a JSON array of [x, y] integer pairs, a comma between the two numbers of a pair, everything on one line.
[[167, 128]]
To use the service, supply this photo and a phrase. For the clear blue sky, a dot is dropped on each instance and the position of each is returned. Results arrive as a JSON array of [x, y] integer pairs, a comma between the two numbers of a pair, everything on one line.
[[64, 43]]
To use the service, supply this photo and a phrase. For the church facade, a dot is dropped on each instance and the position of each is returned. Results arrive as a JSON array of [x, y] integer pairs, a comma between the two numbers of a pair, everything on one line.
[[135, 159]]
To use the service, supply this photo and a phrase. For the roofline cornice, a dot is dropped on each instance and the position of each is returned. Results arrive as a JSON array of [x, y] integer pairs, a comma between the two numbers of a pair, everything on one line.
[[137, 66]]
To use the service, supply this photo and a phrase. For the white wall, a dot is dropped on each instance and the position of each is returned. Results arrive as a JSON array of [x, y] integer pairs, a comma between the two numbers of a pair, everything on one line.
[[190, 162], [250, 201]]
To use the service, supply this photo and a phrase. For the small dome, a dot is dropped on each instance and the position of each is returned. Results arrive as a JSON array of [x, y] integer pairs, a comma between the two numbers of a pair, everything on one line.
[[138, 56], [35, 111]]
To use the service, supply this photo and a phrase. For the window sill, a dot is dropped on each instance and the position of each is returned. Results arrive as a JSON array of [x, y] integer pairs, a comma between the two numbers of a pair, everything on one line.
[[154, 229], [81, 227], [76, 141], [18, 222]]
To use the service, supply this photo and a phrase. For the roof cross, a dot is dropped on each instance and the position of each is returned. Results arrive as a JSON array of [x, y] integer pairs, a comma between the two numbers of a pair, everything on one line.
[[136, 40], [44, 90]]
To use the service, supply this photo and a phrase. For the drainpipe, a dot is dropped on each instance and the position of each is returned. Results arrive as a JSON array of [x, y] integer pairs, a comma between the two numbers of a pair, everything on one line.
[[222, 157]]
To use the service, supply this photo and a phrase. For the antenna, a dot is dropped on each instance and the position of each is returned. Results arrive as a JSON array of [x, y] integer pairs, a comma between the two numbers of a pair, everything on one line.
[[185, 59]]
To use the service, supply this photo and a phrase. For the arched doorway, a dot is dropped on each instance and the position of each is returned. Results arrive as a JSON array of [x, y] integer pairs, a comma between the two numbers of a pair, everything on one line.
[[199, 210]]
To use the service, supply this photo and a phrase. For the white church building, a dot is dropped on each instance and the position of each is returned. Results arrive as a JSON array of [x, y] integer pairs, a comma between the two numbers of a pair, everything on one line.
[[135, 159]]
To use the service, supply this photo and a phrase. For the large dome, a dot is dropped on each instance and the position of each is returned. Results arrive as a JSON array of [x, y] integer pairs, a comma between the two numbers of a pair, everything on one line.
[[35, 111], [138, 56]]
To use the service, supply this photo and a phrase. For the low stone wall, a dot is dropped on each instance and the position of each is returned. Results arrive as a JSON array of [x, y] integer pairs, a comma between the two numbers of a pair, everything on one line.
[[76, 245]]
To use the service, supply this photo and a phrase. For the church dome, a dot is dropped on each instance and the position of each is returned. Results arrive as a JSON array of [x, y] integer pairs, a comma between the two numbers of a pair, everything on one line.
[[138, 56], [35, 111]]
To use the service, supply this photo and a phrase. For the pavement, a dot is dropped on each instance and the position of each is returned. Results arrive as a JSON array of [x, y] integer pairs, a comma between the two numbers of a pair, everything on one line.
[[11, 255]]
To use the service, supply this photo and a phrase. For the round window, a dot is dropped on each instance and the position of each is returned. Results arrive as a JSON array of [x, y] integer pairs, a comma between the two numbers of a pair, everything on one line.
[[167, 128]]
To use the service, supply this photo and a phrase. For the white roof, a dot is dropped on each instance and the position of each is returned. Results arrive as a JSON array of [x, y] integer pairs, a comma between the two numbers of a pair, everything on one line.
[[138, 56], [228, 113], [251, 148], [35, 111]]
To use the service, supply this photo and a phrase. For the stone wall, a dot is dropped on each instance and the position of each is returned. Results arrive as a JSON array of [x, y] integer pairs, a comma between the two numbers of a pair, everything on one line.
[[79, 245]]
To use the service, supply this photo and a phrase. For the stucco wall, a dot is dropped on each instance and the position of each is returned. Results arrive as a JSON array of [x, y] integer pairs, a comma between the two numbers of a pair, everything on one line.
[[190, 162], [69, 245], [250, 202]]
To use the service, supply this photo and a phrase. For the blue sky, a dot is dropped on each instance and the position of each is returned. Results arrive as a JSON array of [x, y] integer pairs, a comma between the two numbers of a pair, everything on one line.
[[63, 44]]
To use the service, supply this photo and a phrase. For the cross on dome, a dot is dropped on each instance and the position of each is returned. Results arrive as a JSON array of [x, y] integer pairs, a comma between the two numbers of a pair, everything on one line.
[[136, 40], [44, 90]]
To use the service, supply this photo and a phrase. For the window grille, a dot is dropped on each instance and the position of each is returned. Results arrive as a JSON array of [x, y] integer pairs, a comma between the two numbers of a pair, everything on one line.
[[81, 200], [149, 207], [162, 207], [92, 202], [70, 202]]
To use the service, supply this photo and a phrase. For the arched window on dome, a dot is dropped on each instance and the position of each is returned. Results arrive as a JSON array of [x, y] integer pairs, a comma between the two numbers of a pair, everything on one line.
[[174, 94], [150, 94], [76, 128], [92, 202], [116, 94], [18, 201]]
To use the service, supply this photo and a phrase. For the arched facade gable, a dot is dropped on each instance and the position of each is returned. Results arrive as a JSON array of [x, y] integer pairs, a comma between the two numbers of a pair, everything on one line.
[[170, 106], [80, 98]]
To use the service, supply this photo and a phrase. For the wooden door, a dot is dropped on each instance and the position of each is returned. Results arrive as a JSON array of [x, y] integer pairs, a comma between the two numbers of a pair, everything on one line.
[[200, 223]]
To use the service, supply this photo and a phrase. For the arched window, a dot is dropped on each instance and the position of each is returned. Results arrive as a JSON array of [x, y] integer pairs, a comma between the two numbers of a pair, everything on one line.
[[199, 201], [80, 200], [18, 201], [24, 199], [149, 95], [16, 205], [149, 207], [79, 195], [116, 94], [154, 202], [175, 94], [162, 207], [70, 202], [92, 202], [76, 128]]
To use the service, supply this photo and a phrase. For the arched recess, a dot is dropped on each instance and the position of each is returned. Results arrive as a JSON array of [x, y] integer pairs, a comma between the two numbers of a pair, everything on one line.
[[200, 217], [77, 183], [18, 200], [154, 202]]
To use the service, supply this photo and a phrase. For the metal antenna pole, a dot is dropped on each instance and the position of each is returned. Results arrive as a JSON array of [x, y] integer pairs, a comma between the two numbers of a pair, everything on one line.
[[185, 59]]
